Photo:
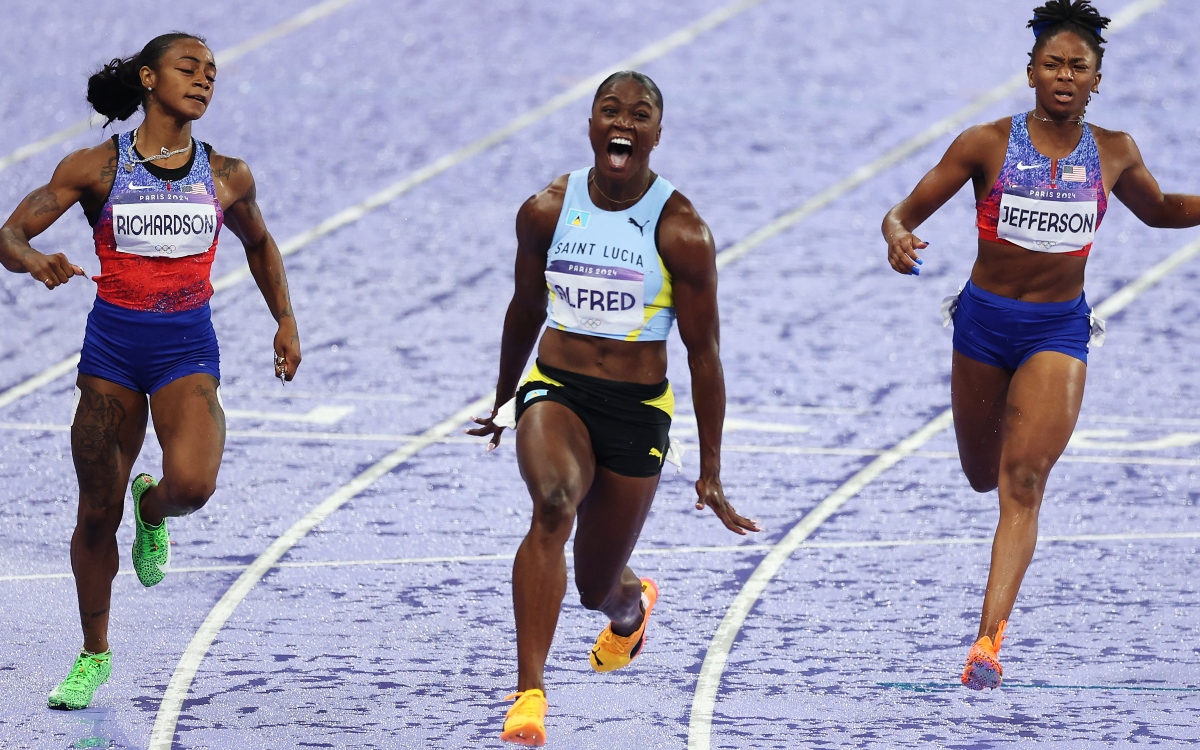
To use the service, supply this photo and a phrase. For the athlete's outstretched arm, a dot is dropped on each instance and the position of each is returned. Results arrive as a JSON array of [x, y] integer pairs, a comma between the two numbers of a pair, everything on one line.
[[1138, 190], [959, 165], [687, 249], [527, 310], [237, 191], [41, 208]]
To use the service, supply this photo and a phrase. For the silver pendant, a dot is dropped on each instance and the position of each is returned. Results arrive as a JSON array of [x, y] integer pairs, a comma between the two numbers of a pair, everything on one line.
[[129, 166]]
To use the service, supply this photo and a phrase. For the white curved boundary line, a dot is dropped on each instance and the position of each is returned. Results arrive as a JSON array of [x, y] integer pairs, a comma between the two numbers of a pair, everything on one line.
[[395, 190], [709, 682], [163, 735], [298, 21]]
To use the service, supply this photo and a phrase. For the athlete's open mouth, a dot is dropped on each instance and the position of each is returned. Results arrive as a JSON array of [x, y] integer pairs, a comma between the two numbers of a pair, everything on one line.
[[1064, 95], [200, 99], [619, 151]]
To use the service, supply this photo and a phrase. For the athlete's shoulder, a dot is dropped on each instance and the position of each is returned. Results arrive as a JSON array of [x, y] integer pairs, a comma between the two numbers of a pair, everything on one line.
[[1117, 142], [540, 211], [91, 166], [233, 171], [681, 228], [987, 134]]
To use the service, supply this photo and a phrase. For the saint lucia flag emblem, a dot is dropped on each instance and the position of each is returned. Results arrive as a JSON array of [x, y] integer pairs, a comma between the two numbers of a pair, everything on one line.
[[577, 218]]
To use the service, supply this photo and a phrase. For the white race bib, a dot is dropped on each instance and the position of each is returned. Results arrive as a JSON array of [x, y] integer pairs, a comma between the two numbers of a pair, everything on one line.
[[164, 225], [596, 299], [1048, 220]]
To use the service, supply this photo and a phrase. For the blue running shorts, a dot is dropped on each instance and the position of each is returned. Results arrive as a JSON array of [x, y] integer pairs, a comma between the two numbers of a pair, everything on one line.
[[1004, 332], [143, 351]]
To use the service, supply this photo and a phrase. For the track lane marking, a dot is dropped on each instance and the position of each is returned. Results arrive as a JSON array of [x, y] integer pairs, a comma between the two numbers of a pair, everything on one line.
[[296, 22], [383, 197], [646, 552]]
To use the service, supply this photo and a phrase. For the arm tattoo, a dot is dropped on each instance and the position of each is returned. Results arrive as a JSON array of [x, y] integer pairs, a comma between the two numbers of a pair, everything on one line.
[[109, 171], [44, 201], [227, 168]]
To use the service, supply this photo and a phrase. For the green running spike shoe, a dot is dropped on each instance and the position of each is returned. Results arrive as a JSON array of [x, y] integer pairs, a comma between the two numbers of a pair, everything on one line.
[[90, 672], [151, 544]]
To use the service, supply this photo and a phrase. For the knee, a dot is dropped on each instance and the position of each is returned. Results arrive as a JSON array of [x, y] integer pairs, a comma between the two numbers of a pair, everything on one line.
[[1025, 481], [97, 524], [554, 511], [592, 598], [982, 481], [190, 494]]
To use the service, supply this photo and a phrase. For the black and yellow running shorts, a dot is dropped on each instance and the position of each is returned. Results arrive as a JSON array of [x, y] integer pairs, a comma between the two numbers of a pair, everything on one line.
[[628, 422]]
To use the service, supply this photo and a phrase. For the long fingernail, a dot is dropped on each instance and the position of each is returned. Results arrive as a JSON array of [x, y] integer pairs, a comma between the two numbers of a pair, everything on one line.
[[916, 272], [920, 262]]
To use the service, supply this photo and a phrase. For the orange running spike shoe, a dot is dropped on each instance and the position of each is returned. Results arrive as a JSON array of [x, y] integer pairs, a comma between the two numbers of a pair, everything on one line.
[[614, 651], [525, 722], [983, 668]]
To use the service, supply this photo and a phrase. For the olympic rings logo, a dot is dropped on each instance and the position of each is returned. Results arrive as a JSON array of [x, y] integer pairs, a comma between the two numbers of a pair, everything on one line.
[[592, 323], [165, 249]]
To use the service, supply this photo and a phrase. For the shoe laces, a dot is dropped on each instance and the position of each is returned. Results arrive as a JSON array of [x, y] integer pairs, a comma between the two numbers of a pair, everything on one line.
[[79, 672], [528, 703], [996, 639]]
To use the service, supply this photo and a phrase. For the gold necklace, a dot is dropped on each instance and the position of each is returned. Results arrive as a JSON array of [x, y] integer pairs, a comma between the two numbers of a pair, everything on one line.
[[592, 180], [1077, 120]]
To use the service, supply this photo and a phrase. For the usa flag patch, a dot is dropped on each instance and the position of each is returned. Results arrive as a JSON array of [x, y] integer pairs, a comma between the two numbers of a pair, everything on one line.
[[199, 189], [1072, 173]]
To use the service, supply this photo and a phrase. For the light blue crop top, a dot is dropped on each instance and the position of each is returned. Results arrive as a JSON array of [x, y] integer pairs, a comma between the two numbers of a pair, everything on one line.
[[603, 269]]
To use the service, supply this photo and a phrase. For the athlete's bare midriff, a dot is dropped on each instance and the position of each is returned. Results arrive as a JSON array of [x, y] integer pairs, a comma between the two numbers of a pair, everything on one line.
[[1026, 275], [627, 361]]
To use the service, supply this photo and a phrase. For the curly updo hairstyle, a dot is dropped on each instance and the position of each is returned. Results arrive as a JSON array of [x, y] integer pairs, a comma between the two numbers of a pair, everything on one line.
[[1077, 16], [115, 91]]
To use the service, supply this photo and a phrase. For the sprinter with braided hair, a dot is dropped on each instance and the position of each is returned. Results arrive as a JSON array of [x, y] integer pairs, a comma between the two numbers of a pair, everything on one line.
[[1021, 324], [156, 199]]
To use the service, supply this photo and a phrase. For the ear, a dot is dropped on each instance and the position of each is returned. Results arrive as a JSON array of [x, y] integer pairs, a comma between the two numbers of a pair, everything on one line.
[[657, 136], [148, 76], [1096, 83], [1029, 73]]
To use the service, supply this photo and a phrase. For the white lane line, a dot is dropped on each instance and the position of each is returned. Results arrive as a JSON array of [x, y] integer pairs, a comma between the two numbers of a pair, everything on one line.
[[163, 734], [709, 681], [352, 214], [298, 21], [646, 552], [790, 450]]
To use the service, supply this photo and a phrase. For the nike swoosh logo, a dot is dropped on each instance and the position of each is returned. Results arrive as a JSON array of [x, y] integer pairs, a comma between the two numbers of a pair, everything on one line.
[[141, 187], [1025, 167]]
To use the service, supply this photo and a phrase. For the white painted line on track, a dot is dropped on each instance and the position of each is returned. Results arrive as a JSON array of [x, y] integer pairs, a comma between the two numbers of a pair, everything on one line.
[[717, 655], [645, 552], [322, 438], [352, 214], [163, 735], [296, 22]]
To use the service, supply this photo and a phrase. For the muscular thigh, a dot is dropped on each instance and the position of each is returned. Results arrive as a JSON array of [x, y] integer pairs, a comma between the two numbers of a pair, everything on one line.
[[190, 424], [979, 395], [107, 431], [554, 453], [1043, 407]]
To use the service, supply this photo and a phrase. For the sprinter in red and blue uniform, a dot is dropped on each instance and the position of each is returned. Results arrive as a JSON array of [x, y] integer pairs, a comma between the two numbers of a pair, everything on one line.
[[157, 200], [1022, 325]]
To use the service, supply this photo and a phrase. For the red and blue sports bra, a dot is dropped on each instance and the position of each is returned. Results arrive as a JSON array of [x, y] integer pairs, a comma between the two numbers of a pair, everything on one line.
[[156, 235], [1042, 204]]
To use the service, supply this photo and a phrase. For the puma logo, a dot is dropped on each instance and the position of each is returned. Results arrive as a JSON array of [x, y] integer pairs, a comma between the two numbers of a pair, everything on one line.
[[657, 454], [596, 657], [641, 227]]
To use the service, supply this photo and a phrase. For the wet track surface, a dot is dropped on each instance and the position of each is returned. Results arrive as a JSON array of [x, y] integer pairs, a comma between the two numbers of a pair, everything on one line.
[[829, 356]]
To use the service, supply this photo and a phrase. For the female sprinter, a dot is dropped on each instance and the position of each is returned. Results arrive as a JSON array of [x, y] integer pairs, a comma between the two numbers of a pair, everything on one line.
[[611, 255], [156, 199], [1022, 325]]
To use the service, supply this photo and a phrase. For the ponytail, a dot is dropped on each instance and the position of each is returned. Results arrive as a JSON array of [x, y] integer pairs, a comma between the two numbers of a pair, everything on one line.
[[115, 91]]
